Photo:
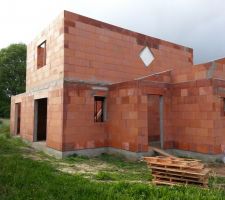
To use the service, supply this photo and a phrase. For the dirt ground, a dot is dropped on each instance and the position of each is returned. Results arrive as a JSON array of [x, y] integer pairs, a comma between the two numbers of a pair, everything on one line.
[[93, 166], [69, 167], [218, 169], [117, 168]]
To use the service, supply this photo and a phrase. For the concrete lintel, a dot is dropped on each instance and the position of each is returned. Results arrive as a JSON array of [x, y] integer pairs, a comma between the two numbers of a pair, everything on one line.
[[158, 73], [78, 81], [100, 88]]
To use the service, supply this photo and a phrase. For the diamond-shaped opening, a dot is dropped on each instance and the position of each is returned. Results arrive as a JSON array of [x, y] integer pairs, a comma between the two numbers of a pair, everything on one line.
[[146, 56]]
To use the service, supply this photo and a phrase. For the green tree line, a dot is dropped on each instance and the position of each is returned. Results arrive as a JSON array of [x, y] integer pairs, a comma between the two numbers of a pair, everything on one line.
[[12, 75]]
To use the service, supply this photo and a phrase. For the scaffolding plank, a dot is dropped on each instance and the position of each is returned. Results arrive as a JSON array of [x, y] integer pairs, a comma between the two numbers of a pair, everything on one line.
[[161, 152]]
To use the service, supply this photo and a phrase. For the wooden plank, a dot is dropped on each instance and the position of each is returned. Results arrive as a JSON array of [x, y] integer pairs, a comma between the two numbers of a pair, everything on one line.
[[175, 158], [170, 158], [161, 152], [175, 166]]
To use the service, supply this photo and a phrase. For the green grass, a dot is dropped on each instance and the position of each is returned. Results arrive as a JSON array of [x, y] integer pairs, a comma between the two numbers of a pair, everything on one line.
[[4, 121], [22, 178], [105, 176]]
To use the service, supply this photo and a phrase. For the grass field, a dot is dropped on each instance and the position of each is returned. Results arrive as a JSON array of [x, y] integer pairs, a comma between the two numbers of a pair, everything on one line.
[[27, 174]]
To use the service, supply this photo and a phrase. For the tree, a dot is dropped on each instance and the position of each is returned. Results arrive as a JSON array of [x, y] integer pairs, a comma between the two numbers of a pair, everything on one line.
[[12, 75]]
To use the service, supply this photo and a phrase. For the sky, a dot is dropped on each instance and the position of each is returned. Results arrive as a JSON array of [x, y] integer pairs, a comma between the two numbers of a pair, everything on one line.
[[199, 24]]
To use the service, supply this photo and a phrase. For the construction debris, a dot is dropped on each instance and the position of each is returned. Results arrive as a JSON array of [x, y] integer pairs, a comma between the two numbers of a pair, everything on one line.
[[176, 171]]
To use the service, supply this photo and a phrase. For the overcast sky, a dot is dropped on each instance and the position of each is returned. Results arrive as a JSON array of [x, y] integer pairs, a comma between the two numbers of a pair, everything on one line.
[[199, 24]]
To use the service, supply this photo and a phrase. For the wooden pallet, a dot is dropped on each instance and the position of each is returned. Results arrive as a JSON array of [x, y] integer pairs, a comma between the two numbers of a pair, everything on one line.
[[170, 171], [180, 179], [180, 172], [175, 163]]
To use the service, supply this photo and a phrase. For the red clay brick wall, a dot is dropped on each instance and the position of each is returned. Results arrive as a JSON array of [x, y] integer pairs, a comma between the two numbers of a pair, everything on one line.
[[193, 116], [54, 116], [214, 69], [100, 52], [45, 83], [219, 123], [219, 126], [220, 69], [196, 72], [27, 115], [127, 124], [80, 131], [12, 116], [53, 70], [55, 119], [127, 118]]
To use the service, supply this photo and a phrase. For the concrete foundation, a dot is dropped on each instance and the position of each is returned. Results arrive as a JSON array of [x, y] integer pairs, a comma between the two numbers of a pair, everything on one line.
[[41, 146], [200, 156]]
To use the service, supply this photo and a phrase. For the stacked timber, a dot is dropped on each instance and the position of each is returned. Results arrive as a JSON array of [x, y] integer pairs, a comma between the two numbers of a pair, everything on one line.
[[175, 171]]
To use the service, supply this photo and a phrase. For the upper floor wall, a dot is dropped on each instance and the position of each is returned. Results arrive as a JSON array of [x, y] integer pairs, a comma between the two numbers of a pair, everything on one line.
[[78, 48], [45, 56], [100, 52]]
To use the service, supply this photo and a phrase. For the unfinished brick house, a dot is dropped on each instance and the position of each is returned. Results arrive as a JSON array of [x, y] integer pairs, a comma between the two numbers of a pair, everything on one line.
[[92, 87]]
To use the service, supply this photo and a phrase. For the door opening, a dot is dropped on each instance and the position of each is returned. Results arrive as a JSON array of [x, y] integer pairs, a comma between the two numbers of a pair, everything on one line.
[[18, 118], [155, 121], [40, 119]]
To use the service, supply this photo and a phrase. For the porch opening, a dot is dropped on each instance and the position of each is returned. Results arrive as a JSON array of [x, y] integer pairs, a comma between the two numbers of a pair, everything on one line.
[[40, 120], [155, 121], [18, 118]]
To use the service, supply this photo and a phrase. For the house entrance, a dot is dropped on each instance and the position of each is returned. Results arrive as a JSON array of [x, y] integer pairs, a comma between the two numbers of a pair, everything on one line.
[[155, 121], [18, 118], [40, 119]]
